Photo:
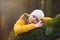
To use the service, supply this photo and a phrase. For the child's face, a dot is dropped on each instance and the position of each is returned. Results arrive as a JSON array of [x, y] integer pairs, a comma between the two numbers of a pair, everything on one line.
[[33, 19]]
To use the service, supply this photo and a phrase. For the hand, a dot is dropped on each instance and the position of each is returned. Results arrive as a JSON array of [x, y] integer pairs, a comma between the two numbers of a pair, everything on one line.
[[39, 24]]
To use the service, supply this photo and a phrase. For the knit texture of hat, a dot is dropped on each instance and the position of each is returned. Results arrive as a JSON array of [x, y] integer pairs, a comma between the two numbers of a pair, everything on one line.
[[38, 13]]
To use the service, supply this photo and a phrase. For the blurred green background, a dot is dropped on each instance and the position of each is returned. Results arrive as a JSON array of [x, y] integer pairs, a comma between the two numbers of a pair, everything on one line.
[[10, 11]]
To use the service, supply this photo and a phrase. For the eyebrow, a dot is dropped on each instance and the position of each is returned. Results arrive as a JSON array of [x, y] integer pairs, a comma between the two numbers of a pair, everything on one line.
[[34, 16]]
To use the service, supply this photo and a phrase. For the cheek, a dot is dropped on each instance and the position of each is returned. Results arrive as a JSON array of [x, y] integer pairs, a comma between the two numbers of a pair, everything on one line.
[[30, 20], [35, 21]]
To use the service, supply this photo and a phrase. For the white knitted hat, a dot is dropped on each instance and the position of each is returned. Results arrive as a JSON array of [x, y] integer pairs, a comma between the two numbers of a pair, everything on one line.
[[38, 13]]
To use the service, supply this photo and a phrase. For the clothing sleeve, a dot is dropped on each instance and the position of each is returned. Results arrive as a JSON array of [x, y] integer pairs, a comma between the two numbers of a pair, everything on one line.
[[20, 26], [44, 19]]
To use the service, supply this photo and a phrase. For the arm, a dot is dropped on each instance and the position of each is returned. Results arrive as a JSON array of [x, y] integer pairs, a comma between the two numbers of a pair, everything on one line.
[[20, 28]]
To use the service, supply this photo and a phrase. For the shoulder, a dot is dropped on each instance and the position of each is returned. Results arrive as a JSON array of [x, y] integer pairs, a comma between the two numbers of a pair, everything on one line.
[[25, 14]]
